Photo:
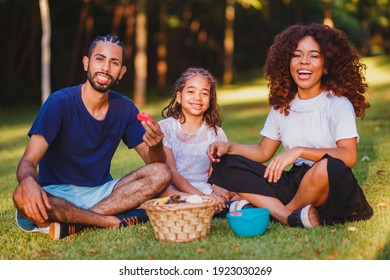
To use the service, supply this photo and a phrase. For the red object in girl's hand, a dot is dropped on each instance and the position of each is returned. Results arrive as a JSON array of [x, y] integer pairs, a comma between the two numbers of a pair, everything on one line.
[[144, 117]]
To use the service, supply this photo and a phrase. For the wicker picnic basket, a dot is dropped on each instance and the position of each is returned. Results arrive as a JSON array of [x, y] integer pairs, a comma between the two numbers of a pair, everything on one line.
[[182, 222]]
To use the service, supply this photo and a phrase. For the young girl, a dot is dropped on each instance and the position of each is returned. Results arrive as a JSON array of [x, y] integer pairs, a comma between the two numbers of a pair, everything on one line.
[[192, 122]]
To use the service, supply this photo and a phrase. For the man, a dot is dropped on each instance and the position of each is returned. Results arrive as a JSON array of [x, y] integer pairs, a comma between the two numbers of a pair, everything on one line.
[[73, 139]]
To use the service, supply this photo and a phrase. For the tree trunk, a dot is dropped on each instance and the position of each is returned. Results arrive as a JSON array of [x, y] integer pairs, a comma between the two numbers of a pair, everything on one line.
[[117, 18], [84, 28], [45, 44], [229, 42], [130, 11], [162, 64], [327, 7], [140, 61]]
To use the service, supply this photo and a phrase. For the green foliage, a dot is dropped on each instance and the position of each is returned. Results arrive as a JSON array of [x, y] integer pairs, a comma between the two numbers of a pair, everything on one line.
[[244, 109], [350, 25], [194, 34]]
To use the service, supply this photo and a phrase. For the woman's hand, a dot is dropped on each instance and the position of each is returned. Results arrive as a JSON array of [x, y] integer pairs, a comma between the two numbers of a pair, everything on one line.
[[276, 166], [217, 150]]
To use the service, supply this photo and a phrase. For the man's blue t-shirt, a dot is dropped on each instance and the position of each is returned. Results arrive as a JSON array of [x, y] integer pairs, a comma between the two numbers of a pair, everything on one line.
[[80, 147]]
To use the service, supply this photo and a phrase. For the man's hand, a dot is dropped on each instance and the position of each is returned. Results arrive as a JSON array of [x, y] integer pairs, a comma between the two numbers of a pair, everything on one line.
[[29, 197], [32, 200], [151, 150], [153, 135]]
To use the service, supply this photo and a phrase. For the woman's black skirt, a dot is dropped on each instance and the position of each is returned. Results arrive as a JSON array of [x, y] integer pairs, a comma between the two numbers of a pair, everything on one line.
[[346, 200]]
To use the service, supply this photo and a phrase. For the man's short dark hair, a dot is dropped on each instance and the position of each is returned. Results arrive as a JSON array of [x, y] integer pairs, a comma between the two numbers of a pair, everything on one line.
[[106, 38]]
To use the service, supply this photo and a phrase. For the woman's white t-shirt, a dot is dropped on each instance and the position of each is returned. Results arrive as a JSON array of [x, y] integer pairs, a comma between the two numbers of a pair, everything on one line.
[[189, 150], [318, 122]]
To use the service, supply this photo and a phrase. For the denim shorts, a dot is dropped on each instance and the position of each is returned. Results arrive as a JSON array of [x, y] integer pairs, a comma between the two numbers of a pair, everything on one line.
[[82, 197]]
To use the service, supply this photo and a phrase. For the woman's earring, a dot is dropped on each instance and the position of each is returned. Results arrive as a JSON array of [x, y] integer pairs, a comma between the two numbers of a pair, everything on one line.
[[325, 72]]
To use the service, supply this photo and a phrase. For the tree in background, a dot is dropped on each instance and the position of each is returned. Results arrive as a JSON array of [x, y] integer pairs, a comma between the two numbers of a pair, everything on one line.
[[177, 34], [21, 52], [229, 42], [162, 49], [124, 18], [81, 40], [327, 4], [46, 34], [140, 61]]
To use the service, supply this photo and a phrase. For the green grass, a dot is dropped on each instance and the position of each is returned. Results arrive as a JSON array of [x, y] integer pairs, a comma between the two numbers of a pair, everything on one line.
[[244, 108]]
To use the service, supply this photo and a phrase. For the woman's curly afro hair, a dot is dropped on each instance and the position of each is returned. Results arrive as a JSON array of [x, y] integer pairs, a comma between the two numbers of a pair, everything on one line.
[[344, 67]]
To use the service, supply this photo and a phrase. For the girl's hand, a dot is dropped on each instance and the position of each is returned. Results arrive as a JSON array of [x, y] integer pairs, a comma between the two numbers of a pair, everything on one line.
[[225, 194], [221, 202]]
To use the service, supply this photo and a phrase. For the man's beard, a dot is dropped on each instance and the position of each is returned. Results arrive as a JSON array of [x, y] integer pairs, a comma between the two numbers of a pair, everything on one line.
[[99, 87]]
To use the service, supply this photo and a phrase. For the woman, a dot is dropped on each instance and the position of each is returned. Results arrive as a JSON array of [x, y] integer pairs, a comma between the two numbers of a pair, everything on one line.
[[316, 90]]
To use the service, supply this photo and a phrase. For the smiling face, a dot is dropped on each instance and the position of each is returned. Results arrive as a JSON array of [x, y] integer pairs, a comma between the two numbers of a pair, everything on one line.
[[307, 67], [104, 67], [195, 96]]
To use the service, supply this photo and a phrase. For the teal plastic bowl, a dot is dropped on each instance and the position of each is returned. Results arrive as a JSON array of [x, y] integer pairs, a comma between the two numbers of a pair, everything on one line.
[[249, 222]]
